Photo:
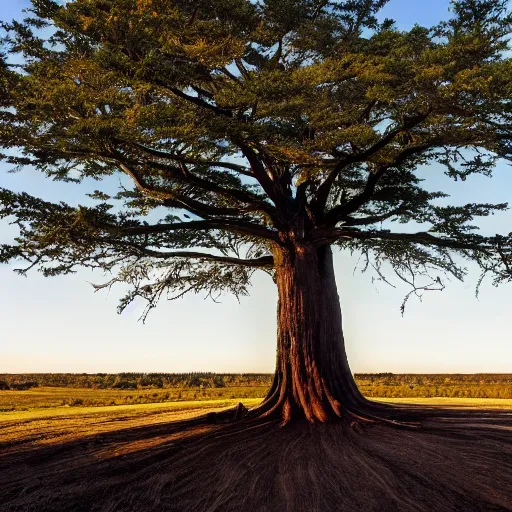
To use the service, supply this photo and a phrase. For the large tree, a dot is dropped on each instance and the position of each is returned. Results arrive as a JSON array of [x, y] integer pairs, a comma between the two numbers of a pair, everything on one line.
[[257, 135]]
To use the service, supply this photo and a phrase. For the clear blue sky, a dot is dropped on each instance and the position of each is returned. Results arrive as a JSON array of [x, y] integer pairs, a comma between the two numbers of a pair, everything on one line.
[[60, 325]]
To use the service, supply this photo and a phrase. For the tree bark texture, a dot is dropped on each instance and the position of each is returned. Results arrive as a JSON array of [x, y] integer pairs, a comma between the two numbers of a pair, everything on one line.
[[312, 379]]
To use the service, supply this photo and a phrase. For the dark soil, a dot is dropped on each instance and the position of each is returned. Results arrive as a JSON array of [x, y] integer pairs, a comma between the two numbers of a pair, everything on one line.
[[456, 461]]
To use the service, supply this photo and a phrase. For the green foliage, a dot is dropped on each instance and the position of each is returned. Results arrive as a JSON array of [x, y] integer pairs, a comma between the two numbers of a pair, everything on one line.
[[246, 127]]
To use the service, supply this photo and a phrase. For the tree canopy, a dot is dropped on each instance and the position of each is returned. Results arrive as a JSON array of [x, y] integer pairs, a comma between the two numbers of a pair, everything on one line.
[[244, 125]]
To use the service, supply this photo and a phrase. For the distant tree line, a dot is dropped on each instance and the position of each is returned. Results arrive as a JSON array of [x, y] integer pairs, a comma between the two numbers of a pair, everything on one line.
[[400, 385], [391, 385], [396, 379], [17, 386], [134, 380]]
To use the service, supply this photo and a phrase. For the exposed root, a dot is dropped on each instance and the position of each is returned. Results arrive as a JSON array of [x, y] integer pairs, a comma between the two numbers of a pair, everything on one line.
[[236, 413], [359, 410], [358, 419]]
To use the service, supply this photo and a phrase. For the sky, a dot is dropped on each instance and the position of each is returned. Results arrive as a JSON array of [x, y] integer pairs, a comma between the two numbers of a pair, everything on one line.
[[59, 325]]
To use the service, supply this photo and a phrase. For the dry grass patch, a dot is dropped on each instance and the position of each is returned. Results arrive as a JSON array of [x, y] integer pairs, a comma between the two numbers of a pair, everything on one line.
[[481, 403]]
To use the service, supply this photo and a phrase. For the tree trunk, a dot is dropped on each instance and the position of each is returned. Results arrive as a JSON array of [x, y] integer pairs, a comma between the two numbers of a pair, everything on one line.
[[312, 379]]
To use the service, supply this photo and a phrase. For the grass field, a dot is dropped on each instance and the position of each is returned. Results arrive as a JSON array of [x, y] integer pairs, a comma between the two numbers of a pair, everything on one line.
[[52, 397], [58, 401], [53, 415], [22, 430], [56, 451], [439, 401], [177, 408]]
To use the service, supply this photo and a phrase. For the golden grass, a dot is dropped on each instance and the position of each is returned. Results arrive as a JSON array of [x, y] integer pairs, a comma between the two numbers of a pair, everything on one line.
[[54, 397], [20, 430], [483, 403], [196, 406], [23, 429]]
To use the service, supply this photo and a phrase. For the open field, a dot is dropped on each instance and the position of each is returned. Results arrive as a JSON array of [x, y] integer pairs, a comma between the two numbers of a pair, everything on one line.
[[54, 415], [119, 450], [184, 407], [39, 418], [51, 397], [22, 430], [152, 457], [478, 403], [79, 400], [27, 391]]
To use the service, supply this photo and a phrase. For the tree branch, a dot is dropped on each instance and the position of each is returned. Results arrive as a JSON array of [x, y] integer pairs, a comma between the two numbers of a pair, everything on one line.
[[421, 237], [210, 163], [196, 101], [262, 262], [176, 200], [259, 171], [243, 228], [364, 221], [323, 191], [339, 212], [254, 203]]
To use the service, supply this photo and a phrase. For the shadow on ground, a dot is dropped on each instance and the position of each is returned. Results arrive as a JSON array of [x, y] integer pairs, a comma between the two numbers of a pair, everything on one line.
[[457, 461]]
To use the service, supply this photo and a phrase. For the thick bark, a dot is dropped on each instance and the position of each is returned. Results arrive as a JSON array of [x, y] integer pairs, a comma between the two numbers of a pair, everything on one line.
[[313, 379]]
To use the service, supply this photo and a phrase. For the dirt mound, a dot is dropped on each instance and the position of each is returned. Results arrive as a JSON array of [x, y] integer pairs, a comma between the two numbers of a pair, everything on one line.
[[457, 461]]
